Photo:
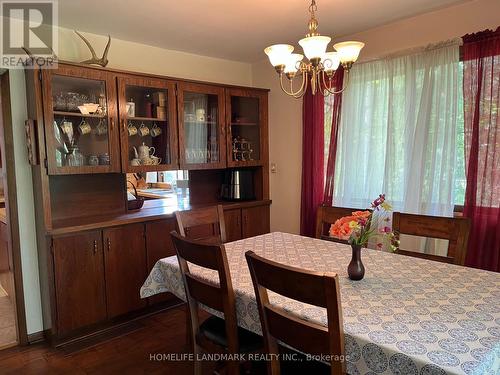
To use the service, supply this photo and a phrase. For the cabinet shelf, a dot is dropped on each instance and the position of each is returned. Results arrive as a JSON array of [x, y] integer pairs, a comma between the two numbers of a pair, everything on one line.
[[146, 119], [200, 122], [77, 114], [244, 124]]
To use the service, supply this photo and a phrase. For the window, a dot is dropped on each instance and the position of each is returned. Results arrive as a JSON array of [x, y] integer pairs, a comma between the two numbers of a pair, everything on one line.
[[401, 132]]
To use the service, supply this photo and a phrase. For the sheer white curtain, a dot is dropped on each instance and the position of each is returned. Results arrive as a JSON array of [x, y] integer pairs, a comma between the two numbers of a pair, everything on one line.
[[398, 132]]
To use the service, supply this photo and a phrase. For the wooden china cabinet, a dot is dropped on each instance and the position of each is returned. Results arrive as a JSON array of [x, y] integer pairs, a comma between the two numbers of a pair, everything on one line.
[[80, 143], [246, 118], [91, 126], [201, 126], [147, 111]]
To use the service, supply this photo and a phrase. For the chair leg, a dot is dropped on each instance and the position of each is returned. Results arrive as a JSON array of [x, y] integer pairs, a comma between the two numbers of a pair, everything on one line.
[[233, 367], [197, 362], [189, 334]]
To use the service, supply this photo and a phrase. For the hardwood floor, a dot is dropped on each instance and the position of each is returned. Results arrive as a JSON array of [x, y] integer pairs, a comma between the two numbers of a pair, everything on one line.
[[7, 321], [128, 354]]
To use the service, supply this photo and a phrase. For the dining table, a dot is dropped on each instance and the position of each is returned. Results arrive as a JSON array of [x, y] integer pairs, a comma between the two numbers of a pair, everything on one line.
[[408, 315]]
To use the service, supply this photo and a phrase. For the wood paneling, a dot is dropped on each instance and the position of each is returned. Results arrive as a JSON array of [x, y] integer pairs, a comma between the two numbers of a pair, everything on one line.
[[255, 221], [232, 219], [125, 267], [204, 186], [159, 245], [79, 279], [79, 196]]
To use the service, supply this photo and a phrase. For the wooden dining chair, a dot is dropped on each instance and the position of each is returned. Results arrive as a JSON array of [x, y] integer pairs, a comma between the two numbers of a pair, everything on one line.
[[326, 216], [314, 288], [453, 229], [215, 335], [205, 224]]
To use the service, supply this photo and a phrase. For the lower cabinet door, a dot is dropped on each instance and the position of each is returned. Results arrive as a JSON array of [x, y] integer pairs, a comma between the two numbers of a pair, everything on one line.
[[79, 280], [232, 219], [125, 268], [159, 245], [255, 221]]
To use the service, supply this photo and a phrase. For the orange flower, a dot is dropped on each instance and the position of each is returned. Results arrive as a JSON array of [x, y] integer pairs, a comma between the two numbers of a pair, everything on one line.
[[342, 228], [364, 214]]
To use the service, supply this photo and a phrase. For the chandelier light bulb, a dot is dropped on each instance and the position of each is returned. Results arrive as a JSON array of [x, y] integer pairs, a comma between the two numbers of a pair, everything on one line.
[[292, 65], [315, 46], [279, 54], [348, 51], [330, 61]]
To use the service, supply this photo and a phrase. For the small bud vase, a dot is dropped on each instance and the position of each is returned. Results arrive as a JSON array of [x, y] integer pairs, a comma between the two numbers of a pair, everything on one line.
[[356, 270]]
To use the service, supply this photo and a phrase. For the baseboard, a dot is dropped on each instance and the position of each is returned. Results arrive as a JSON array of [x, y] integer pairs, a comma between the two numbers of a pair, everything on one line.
[[36, 337], [100, 329]]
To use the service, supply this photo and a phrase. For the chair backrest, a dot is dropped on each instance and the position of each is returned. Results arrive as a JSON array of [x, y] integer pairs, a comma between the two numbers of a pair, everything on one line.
[[219, 297], [314, 288], [326, 216], [206, 223], [455, 230]]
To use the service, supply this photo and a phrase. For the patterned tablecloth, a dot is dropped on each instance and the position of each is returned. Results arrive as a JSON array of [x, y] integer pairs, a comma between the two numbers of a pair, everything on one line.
[[407, 316]]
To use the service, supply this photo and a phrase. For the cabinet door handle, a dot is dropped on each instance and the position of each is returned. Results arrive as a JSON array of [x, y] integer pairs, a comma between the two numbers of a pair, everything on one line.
[[111, 123], [95, 247], [109, 244]]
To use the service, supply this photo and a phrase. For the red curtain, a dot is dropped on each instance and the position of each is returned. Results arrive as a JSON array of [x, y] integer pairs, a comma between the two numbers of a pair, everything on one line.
[[337, 82], [481, 57], [312, 160]]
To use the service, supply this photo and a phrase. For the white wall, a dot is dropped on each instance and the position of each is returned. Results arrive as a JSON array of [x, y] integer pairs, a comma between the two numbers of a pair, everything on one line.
[[122, 55], [24, 192], [285, 150], [142, 58], [285, 127]]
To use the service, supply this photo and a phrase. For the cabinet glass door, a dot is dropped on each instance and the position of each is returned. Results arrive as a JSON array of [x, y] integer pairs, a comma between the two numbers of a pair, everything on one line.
[[201, 126], [245, 114], [80, 115], [147, 114]]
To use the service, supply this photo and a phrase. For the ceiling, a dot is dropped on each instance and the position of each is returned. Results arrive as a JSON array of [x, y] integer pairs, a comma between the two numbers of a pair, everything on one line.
[[237, 30]]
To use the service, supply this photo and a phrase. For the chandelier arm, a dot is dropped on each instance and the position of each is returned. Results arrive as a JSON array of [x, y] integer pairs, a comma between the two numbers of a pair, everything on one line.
[[304, 85], [297, 94], [344, 84]]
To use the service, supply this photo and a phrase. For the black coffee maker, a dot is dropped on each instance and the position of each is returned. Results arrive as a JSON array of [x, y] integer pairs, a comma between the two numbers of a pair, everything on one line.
[[238, 185]]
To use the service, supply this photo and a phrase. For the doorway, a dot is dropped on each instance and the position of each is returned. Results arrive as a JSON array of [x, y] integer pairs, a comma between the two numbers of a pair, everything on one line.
[[12, 313]]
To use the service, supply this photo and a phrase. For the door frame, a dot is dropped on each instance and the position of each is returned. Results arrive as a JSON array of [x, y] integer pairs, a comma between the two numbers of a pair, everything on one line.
[[14, 243]]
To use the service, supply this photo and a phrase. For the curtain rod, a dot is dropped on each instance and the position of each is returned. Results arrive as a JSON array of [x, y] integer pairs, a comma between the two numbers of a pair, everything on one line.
[[415, 50]]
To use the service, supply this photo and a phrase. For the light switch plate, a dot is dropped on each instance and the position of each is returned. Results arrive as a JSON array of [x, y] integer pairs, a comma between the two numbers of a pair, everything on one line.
[[273, 168]]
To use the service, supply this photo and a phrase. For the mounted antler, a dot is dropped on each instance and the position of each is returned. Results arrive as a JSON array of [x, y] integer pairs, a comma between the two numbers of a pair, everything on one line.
[[33, 57], [103, 61]]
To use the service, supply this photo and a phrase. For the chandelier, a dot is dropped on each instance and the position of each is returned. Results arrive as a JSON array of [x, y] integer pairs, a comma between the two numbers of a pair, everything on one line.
[[320, 66]]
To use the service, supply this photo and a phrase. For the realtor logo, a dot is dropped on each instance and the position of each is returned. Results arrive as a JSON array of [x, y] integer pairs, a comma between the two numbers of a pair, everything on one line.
[[28, 26]]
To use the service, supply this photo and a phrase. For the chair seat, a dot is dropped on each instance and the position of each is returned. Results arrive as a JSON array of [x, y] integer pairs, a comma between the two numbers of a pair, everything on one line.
[[214, 329]]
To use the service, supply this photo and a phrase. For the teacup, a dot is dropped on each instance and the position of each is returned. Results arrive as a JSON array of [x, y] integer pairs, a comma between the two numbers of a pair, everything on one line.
[[132, 129], [84, 127], [67, 127], [135, 162], [101, 128], [147, 161], [93, 160], [155, 160], [155, 130], [143, 130]]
